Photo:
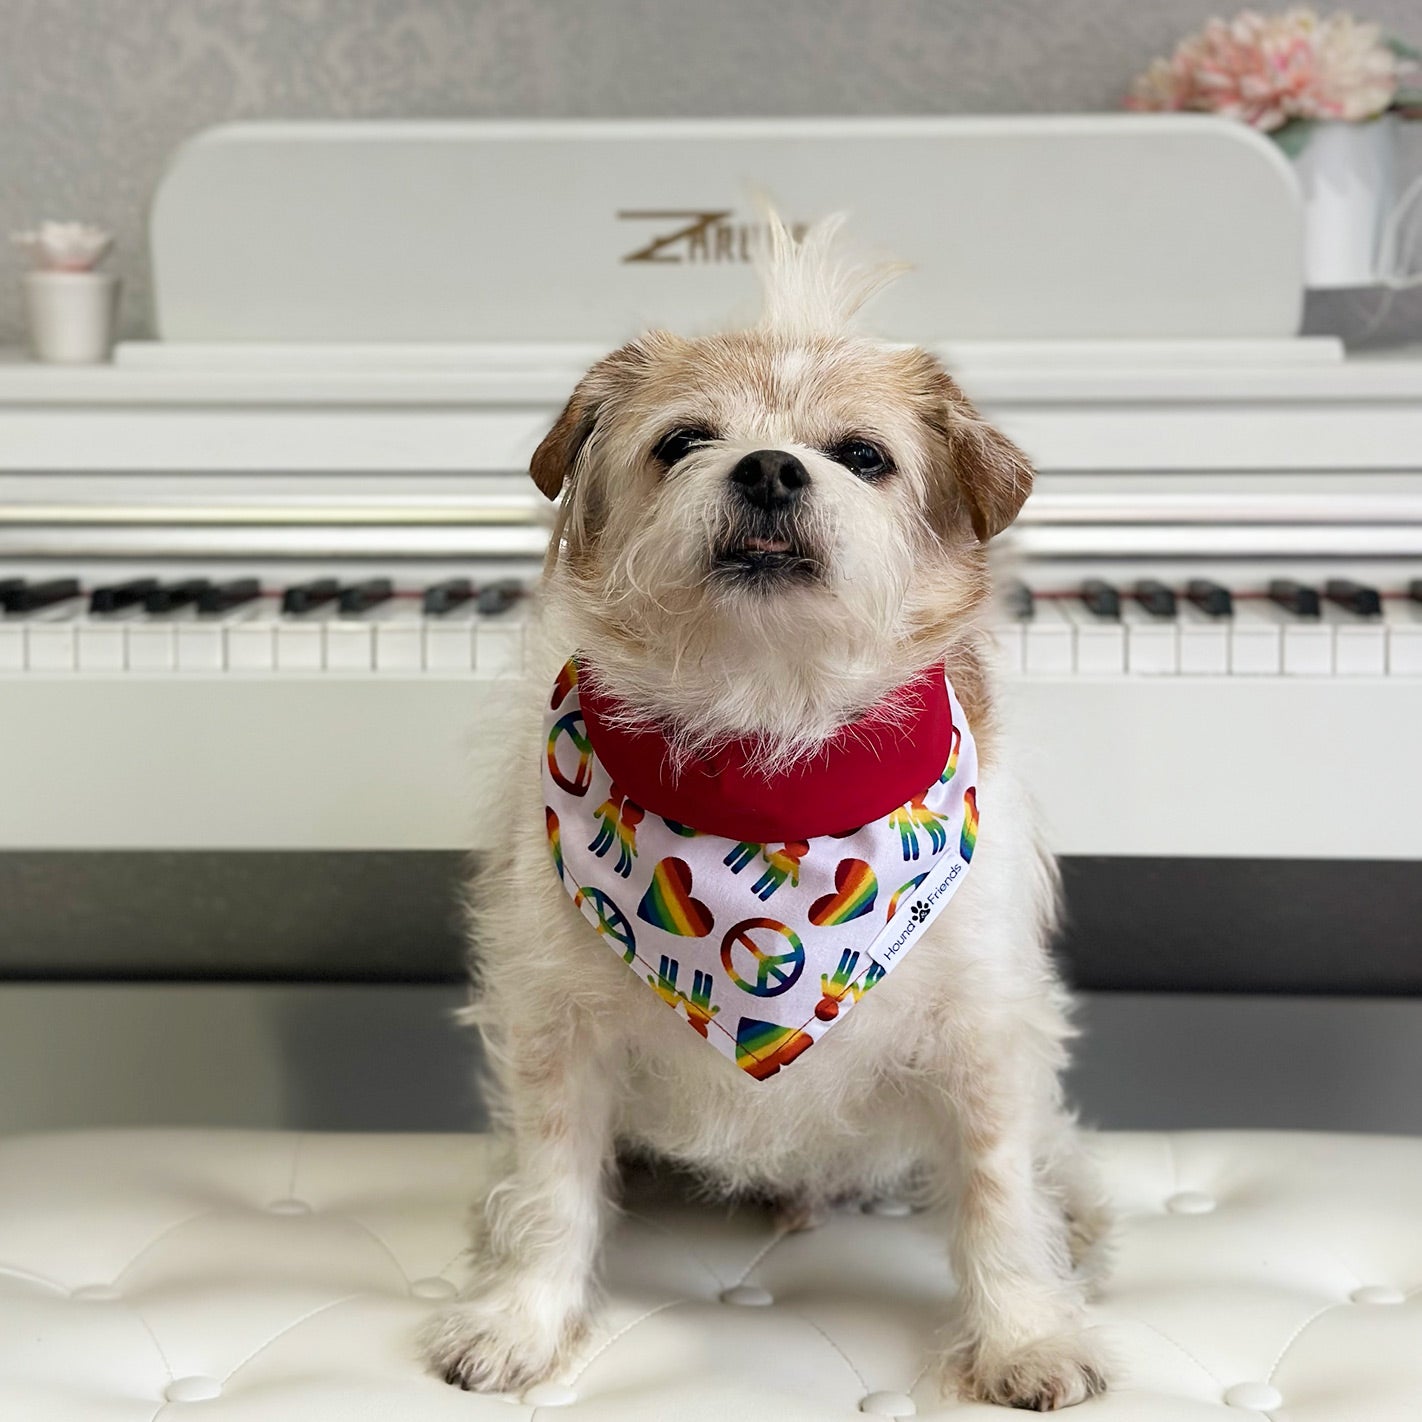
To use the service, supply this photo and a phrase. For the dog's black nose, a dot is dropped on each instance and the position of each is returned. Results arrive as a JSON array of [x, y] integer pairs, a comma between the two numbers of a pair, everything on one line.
[[769, 478]]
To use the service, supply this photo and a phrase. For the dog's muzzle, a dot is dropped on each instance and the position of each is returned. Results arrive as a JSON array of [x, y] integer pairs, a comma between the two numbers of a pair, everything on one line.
[[767, 488]]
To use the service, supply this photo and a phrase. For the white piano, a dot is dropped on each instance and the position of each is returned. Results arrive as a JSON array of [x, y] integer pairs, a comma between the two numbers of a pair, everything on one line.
[[260, 573]]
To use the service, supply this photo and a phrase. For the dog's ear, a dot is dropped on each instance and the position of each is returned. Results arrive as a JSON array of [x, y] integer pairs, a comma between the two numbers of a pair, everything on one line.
[[555, 460], [986, 474], [556, 455]]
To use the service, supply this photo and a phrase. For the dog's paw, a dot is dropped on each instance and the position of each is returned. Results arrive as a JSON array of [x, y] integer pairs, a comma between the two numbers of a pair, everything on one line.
[[797, 1213], [487, 1345], [1060, 1370]]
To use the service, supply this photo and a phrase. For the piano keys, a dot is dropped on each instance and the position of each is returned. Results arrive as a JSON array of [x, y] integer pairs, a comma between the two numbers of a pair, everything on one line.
[[239, 626], [452, 627], [1288, 628]]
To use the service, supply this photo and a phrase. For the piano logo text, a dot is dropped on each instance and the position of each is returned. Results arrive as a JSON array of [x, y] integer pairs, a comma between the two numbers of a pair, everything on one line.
[[711, 236]]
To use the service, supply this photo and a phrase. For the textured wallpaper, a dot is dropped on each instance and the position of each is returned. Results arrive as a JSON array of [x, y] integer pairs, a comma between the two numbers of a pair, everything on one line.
[[94, 94]]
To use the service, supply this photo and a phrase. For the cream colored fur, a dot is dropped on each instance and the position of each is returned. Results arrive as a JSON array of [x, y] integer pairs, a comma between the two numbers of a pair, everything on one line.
[[944, 1081]]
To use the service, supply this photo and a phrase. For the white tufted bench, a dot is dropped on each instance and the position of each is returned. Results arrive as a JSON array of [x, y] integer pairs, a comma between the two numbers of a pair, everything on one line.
[[244, 1276]]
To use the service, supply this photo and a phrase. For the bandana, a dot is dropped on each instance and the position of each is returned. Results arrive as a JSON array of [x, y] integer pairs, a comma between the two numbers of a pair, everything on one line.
[[761, 908]]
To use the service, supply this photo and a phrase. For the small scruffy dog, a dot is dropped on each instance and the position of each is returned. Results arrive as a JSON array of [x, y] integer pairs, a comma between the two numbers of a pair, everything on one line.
[[764, 538]]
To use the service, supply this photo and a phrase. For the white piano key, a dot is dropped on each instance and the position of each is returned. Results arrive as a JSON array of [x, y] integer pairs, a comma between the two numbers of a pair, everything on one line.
[[1204, 642], [12, 644], [100, 643], [1152, 643], [1100, 641], [251, 641], [1359, 643], [1256, 639], [498, 646], [1308, 646], [1403, 620], [49, 649], [151, 645], [199, 645], [1007, 646], [1048, 641], [399, 638], [449, 641], [49, 640], [301, 643], [350, 644]]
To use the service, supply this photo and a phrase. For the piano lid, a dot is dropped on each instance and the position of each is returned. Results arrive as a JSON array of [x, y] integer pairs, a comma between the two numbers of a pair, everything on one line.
[[1023, 228]]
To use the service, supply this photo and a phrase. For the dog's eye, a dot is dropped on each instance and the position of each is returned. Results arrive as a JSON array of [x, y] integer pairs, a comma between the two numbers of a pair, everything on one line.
[[674, 447], [862, 459]]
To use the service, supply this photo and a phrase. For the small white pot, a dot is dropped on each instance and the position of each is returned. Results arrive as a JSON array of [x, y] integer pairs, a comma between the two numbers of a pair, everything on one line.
[[71, 315], [1348, 175]]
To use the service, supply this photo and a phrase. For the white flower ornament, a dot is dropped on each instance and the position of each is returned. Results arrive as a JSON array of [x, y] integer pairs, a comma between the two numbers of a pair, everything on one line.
[[64, 246]]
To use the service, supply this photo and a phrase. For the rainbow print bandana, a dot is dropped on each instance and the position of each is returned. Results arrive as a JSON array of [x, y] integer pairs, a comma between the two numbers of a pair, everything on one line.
[[761, 948]]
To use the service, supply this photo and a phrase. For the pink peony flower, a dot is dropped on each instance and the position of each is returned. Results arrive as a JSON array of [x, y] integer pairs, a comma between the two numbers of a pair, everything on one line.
[[1268, 69], [1357, 73]]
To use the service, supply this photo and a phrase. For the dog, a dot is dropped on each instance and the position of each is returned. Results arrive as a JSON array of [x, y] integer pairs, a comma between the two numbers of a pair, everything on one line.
[[762, 537]]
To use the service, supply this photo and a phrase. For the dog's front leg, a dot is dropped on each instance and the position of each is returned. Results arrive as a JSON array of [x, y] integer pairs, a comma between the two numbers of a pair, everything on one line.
[[527, 1299], [1018, 1335]]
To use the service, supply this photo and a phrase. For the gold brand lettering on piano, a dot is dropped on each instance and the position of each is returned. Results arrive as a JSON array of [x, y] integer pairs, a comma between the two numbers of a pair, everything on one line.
[[703, 236]]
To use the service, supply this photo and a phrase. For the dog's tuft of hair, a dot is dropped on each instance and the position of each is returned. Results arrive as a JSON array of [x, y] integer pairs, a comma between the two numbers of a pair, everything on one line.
[[813, 287]]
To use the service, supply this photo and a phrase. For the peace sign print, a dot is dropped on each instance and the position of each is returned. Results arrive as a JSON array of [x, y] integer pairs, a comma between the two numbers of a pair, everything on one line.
[[609, 920], [763, 957], [568, 745]]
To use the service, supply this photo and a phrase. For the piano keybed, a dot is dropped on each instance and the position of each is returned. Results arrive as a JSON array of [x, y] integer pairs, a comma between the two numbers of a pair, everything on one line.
[[356, 722]]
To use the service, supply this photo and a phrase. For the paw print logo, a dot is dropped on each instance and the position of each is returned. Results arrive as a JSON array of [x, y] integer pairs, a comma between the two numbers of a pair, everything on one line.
[[919, 912]]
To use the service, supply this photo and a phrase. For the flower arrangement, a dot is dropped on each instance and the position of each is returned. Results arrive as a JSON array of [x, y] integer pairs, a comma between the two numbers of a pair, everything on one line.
[[64, 246], [1281, 72]]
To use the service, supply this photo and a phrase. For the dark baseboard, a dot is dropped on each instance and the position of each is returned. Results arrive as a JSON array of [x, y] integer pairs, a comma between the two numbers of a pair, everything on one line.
[[1133, 924]]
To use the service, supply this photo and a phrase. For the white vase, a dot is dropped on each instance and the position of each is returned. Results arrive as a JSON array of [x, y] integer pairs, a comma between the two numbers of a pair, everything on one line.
[[1348, 176], [71, 315]]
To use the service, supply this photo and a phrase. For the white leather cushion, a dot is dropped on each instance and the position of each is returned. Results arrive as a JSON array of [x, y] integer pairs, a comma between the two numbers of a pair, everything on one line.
[[236, 1275]]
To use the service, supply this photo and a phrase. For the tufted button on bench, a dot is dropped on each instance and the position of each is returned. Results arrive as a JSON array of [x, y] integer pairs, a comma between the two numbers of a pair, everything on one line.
[[160, 1275]]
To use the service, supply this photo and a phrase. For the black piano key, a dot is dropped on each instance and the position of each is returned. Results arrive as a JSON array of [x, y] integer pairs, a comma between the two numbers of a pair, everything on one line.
[[30, 597], [1155, 597], [114, 597], [302, 597], [223, 597], [443, 597], [1298, 598], [1017, 597], [1355, 597], [499, 596], [1101, 598], [1211, 598], [169, 597], [360, 597], [1414, 590]]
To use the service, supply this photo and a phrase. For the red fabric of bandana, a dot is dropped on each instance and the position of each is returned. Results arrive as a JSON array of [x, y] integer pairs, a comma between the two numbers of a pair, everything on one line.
[[861, 774]]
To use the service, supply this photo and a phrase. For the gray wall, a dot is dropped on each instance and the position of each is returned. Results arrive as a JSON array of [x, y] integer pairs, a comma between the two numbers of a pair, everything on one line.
[[94, 94]]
